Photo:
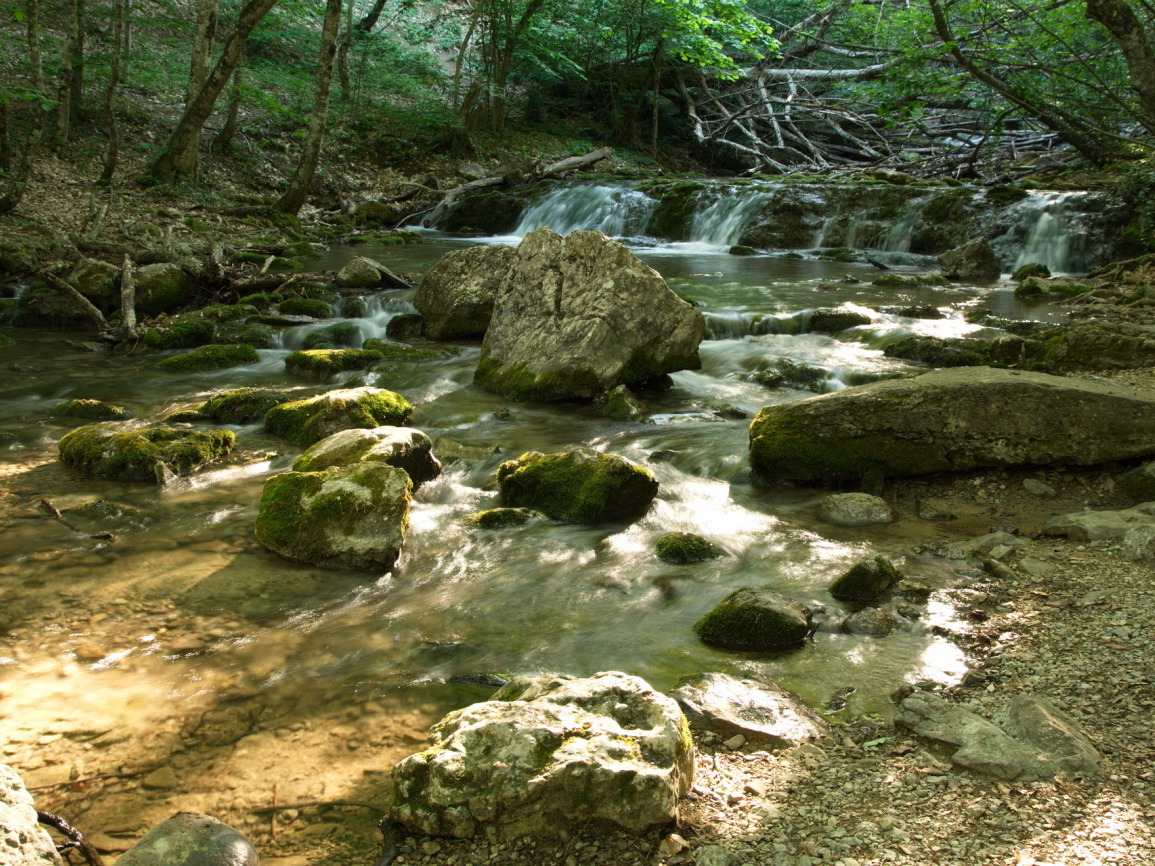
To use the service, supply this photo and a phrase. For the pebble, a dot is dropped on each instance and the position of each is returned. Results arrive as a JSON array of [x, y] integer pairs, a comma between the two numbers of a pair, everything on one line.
[[735, 742]]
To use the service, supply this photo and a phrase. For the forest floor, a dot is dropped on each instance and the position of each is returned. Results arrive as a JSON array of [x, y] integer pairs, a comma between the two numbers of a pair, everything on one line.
[[1074, 625]]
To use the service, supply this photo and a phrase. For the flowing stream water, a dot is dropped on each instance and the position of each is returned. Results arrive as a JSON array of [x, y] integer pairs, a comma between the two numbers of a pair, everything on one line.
[[186, 616]]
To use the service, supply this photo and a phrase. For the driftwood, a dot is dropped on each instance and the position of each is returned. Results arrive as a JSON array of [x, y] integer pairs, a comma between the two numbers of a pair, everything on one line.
[[54, 512], [75, 841], [69, 291], [127, 300], [515, 177]]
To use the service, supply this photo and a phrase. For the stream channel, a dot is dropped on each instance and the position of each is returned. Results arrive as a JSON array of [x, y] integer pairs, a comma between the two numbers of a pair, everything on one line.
[[184, 645]]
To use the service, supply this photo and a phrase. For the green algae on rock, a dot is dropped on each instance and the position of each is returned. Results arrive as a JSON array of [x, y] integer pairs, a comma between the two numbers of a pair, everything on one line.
[[304, 422], [866, 580], [94, 410], [326, 362], [305, 307], [502, 518], [402, 447], [685, 547], [579, 486], [180, 333], [134, 455], [392, 351], [243, 405], [344, 517], [755, 619], [211, 357]]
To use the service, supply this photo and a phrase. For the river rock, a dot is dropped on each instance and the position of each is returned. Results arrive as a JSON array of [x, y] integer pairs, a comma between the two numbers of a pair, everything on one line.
[[578, 316], [682, 548], [244, 405], [1100, 525], [579, 486], [23, 842], [93, 410], [344, 517], [162, 288], [304, 422], [456, 296], [855, 509], [547, 755], [866, 580], [402, 447], [136, 454], [762, 711], [359, 273], [873, 621], [1139, 483], [191, 839], [952, 420], [1032, 739], [1096, 345], [756, 619], [98, 281], [974, 260], [831, 321]]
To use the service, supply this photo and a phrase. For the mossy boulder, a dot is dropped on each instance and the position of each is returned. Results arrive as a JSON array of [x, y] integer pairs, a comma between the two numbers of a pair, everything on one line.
[[98, 281], [333, 336], [359, 273], [866, 581], [180, 333], [250, 333], [41, 306], [304, 422], [758, 620], [1100, 345], [456, 296], [344, 517], [828, 321], [490, 212], [405, 326], [1031, 269], [940, 352], [855, 509], [620, 403], [162, 288], [974, 260], [141, 454], [94, 410], [579, 486], [674, 214], [328, 362], [314, 307], [402, 447], [227, 312], [243, 405], [909, 281], [392, 351], [502, 518], [785, 373], [212, 357], [685, 547], [740, 250]]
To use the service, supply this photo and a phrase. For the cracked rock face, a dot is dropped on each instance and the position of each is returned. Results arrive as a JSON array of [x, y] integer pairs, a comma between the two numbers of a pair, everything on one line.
[[549, 753], [23, 842]]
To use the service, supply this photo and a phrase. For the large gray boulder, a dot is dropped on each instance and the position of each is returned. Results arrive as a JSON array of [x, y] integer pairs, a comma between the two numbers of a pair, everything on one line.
[[949, 420], [402, 447], [1028, 740], [23, 842], [344, 517], [456, 296], [974, 260], [191, 839], [762, 711], [546, 755], [578, 316]]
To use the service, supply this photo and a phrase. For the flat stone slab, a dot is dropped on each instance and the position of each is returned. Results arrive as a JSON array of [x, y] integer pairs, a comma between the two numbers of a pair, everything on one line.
[[762, 711]]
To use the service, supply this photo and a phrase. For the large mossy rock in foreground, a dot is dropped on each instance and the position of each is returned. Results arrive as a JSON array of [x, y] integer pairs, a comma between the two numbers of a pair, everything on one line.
[[580, 486], [950, 420], [456, 296], [345, 517], [192, 839], [304, 422], [548, 755], [142, 453], [756, 619], [578, 316], [402, 447]]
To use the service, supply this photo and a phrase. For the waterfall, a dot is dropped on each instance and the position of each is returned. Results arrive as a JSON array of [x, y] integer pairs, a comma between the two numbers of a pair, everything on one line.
[[616, 211], [899, 235], [722, 222], [1050, 237]]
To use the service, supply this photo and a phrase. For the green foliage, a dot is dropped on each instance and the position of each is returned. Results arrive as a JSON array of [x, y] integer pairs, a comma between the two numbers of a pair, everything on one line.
[[1138, 191]]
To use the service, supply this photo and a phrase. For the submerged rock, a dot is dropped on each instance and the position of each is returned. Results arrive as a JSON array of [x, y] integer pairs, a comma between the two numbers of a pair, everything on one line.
[[344, 517], [580, 486], [685, 547], [502, 518], [23, 842], [456, 296], [136, 454], [578, 316], [402, 447], [547, 755], [762, 711], [756, 619], [952, 420], [191, 839], [874, 621], [304, 422]]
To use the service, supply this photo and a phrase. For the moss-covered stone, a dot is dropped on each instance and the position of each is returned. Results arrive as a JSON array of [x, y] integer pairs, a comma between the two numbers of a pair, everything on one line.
[[740, 250], [180, 333], [620, 403], [304, 422], [339, 334], [260, 301], [502, 518], [243, 405], [305, 307], [757, 620], [685, 547], [250, 333], [211, 357], [909, 281], [785, 373], [674, 214], [1031, 269], [579, 486], [327, 362], [403, 447], [94, 410], [866, 581], [227, 312], [1001, 196], [391, 351], [832, 321], [938, 352], [405, 326], [98, 281], [300, 250], [136, 455], [354, 307], [162, 288]]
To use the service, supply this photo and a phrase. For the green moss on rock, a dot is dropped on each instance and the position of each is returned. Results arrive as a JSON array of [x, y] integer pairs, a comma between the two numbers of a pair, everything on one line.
[[1031, 269], [211, 357], [580, 486], [340, 334], [327, 362], [243, 405], [94, 410], [398, 352], [685, 547], [866, 581], [134, 455], [501, 518], [405, 326], [756, 620], [304, 422], [305, 307], [180, 333]]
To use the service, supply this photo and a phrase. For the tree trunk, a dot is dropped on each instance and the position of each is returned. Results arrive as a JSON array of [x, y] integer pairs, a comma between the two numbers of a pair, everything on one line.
[[206, 26], [76, 92], [67, 59], [19, 179], [1128, 31], [343, 55], [5, 140], [224, 140], [298, 189], [178, 160], [112, 151], [370, 21]]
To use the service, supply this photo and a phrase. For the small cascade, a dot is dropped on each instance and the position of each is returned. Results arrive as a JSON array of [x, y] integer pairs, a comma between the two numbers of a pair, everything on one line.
[[819, 239], [898, 237], [736, 325], [616, 211], [722, 222], [1050, 238], [379, 309]]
